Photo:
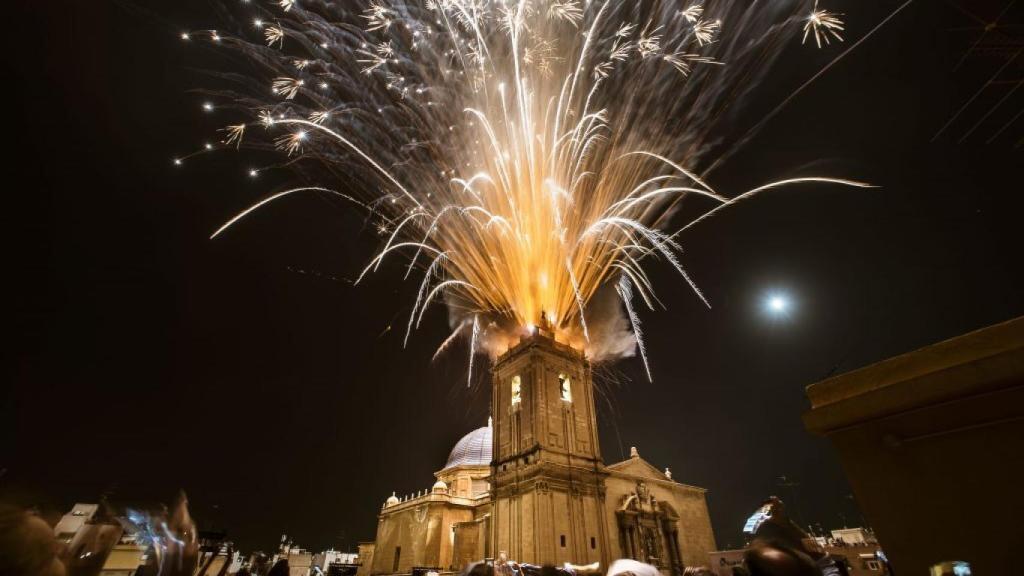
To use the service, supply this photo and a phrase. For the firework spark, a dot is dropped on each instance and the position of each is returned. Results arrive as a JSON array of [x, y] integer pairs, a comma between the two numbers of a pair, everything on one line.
[[704, 31], [692, 13], [287, 87], [822, 24], [274, 35], [235, 133], [524, 155]]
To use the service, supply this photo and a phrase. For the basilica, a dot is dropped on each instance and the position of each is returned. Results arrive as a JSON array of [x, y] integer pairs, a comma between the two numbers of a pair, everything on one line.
[[532, 484]]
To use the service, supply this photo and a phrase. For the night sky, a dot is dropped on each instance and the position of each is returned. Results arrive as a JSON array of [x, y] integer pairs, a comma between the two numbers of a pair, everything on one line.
[[250, 372]]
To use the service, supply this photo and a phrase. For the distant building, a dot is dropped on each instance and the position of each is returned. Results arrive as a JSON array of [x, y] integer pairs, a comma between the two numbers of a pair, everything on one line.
[[860, 553], [366, 550], [861, 559], [237, 561], [300, 560], [335, 563], [853, 537], [533, 483], [127, 557], [216, 554], [69, 524], [111, 542], [119, 550], [259, 563]]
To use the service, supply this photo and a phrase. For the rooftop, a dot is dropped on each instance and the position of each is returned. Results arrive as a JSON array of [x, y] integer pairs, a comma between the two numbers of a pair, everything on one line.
[[473, 449]]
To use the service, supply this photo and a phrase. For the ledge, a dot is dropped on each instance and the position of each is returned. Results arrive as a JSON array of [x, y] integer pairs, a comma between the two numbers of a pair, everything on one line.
[[975, 363]]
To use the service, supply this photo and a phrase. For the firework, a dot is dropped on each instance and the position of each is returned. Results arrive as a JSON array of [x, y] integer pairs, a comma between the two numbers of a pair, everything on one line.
[[822, 24], [525, 156]]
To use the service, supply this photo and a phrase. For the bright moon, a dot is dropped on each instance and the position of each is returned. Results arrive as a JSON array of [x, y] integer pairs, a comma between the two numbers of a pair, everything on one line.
[[777, 303]]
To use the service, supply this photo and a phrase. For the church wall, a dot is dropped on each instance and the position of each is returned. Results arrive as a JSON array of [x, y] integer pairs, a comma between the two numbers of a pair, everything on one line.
[[470, 544], [365, 558], [592, 537], [551, 499], [531, 529], [542, 417], [562, 527], [541, 549], [451, 516], [421, 532], [616, 490], [527, 524], [547, 471], [696, 539], [501, 528], [483, 509], [578, 519], [555, 514]]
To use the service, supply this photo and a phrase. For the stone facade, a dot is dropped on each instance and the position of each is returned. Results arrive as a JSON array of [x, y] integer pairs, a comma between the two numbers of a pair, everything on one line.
[[533, 484], [547, 476], [656, 519], [443, 526], [365, 555]]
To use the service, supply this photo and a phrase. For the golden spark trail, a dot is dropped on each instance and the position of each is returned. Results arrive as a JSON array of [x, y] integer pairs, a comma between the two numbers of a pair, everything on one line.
[[522, 153]]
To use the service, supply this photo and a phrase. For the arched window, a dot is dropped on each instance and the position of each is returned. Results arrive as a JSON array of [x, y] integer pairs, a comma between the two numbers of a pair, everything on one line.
[[564, 388], [517, 390]]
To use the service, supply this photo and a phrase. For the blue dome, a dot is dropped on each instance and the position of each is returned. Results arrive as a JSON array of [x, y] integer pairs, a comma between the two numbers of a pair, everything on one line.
[[474, 449]]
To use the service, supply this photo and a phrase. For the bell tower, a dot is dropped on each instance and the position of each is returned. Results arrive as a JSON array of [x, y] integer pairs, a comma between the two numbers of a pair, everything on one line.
[[547, 475]]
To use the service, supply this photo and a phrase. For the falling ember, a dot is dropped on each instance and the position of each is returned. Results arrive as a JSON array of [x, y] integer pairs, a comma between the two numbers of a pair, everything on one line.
[[287, 87], [234, 134], [822, 24], [525, 156], [704, 31], [274, 35]]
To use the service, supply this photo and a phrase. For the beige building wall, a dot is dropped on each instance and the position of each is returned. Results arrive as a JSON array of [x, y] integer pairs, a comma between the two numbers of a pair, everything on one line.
[[533, 483], [299, 564], [449, 532], [547, 473], [695, 538], [551, 526], [124, 559], [72, 522], [366, 551], [470, 543], [212, 566], [418, 533]]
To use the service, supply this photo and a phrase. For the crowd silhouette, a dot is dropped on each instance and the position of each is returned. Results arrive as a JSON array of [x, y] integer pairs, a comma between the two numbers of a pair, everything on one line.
[[28, 547]]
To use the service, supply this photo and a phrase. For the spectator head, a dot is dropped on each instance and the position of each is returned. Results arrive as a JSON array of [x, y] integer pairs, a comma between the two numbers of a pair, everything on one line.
[[772, 560], [27, 545]]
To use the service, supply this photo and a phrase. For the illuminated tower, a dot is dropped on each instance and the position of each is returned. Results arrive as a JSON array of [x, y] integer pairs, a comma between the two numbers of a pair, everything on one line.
[[547, 477]]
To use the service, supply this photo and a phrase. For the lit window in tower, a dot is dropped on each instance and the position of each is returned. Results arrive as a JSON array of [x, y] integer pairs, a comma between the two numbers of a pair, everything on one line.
[[564, 387], [517, 389]]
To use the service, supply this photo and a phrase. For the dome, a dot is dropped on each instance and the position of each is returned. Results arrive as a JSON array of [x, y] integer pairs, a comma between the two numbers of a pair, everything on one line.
[[474, 449], [440, 486], [392, 500]]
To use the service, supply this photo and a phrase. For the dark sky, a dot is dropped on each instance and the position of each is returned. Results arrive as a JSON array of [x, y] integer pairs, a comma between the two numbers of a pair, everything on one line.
[[146, 358]]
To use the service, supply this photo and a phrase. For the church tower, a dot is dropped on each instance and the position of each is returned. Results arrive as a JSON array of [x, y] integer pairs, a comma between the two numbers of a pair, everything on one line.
[[547, 475]]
